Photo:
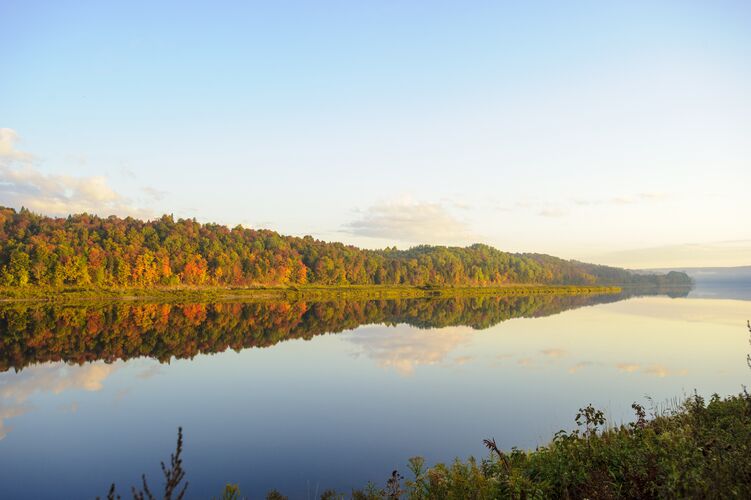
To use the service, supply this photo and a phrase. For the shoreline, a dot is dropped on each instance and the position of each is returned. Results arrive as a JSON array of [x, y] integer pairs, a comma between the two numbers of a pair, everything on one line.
[[318, 292]]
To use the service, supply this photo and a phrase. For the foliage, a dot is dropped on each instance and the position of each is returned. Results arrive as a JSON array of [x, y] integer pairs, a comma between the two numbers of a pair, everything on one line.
[[93, 252], [231, 492], [696, 450]]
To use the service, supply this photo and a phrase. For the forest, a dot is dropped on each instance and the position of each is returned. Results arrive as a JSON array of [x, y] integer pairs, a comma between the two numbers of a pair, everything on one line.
[[95, 252]]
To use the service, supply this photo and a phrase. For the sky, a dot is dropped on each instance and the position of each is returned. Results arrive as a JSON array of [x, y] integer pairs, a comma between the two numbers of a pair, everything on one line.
[[610, 132]]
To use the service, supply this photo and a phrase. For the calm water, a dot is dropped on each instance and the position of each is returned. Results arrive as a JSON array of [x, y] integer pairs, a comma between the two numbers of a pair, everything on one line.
[[307, 396]]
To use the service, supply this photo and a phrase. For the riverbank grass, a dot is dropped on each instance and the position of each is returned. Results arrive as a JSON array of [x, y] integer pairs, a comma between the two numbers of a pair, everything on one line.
[[300, 292]]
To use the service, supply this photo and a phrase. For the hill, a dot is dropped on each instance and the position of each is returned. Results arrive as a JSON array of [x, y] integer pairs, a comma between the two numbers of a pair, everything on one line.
[[90, 251], [713, 275]]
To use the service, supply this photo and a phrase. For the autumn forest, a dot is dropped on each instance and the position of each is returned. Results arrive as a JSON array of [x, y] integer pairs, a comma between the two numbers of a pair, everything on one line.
[[90, 251]]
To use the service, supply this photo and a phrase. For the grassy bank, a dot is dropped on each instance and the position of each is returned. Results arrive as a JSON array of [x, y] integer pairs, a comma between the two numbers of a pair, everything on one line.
[[306, 292], [698, 449]]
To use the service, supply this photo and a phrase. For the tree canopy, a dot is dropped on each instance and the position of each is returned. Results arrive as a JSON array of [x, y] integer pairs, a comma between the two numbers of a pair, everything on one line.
[[91, 251]]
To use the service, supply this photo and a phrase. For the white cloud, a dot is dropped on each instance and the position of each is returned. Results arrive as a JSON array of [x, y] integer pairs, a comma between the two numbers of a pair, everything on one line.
[[22, 184], [630, 199], [153, 193], [562, 208], [410, 221], [8, 138], [721, 253], [553, 212]]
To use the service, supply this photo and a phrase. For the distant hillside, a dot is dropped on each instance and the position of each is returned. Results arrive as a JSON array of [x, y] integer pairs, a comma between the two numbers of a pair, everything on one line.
[[90, 251], [710, 275]]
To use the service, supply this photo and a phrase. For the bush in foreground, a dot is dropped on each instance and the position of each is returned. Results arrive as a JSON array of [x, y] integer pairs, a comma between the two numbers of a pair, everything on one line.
[[698, 449]]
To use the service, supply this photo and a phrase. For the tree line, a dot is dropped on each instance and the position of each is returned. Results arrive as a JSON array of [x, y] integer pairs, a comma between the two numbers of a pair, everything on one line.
[[89, 251]]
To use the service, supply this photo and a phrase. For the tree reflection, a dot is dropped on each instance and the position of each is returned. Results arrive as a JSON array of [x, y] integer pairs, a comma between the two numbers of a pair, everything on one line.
[[38, 333]]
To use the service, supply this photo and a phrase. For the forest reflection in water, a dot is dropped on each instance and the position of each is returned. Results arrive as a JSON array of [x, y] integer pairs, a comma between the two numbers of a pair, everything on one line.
[[34, 333]]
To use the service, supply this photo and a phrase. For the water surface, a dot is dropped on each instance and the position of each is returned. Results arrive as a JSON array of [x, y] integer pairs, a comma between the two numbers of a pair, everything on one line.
[[305, 396]]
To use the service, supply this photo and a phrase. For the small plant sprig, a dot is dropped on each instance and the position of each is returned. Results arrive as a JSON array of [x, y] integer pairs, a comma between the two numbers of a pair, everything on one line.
[[641, 416], [492, 446], [591, 418], [173, 477], [393, 486]]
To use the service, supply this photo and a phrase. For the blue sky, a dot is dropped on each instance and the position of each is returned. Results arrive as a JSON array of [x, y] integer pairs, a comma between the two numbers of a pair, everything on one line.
[[616, 132]]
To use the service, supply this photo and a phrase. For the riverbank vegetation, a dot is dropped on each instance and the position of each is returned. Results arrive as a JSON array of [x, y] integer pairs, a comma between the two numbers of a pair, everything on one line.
[[101, 254], [291, 292], [695, 449]]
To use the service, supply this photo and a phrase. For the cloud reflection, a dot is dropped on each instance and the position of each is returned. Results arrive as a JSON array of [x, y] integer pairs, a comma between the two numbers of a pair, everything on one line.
[[17, 388], [661, 371], [54, 378], [7, 413], [655, 369], [554, 353], [579, 366], [404, 349], [628, 367]]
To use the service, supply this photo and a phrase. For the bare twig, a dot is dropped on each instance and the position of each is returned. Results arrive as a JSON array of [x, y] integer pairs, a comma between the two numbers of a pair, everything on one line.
[[173, 477], [492, 446]]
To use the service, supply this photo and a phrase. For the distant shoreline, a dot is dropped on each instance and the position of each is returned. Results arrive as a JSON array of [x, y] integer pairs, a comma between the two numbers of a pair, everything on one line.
[[306, 292]]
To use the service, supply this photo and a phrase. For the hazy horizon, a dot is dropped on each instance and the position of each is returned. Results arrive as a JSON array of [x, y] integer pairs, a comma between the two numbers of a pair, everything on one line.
[[612, 134]]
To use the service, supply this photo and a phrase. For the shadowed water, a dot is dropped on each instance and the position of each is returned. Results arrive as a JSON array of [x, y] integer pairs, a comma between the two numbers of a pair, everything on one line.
[[305, 396]]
